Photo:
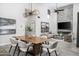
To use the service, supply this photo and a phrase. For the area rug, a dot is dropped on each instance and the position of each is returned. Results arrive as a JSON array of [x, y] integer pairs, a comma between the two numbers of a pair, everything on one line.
[[3, 52]]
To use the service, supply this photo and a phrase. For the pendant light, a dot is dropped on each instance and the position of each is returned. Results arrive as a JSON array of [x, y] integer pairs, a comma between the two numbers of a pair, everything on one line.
[[31, 12]]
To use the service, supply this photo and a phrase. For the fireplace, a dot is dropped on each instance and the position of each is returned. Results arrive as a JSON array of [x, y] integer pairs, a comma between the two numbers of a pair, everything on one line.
[[64, 26]]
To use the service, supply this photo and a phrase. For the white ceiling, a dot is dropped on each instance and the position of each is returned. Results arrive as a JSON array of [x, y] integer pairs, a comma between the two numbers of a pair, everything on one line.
[[51, 5], [63, 4]]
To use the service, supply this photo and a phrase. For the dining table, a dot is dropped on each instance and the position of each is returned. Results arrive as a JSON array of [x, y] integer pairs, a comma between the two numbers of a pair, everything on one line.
[[37, 42]]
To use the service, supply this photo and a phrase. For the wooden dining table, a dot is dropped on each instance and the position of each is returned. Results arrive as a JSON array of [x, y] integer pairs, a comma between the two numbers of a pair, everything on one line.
[[36, 41]]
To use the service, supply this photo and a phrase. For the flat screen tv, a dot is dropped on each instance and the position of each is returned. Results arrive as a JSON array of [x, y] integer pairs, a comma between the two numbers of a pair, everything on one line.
[[64, 25]]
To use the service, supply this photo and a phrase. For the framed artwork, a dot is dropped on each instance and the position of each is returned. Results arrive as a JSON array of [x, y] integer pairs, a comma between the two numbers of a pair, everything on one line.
[[7, 26], [6, 21], [44, 27], [7, 31]]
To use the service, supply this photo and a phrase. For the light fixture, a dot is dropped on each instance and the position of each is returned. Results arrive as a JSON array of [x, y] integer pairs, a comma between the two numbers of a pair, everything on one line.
[[30, 12], [48, 13], [57, 10]]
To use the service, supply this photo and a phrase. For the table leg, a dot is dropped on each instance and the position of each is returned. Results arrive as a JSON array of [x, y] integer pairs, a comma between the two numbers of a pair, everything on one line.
[[36, 49]]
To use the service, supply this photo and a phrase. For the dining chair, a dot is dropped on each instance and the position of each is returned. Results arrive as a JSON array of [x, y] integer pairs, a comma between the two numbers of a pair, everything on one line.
[[24, 47], [51, 47], [44, 37], [14, 43]]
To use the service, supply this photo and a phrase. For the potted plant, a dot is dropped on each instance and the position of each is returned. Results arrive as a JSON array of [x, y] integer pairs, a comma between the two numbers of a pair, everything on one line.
[[29, 30]]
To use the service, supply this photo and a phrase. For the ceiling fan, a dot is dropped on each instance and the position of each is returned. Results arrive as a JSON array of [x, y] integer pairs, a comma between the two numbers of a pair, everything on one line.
[[58, 10]]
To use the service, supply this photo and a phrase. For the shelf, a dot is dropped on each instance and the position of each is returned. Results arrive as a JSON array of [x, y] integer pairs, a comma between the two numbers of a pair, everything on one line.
[[59, 21], [64, 30]]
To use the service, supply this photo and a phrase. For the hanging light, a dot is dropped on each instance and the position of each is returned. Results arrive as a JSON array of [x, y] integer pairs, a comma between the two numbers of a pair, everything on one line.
[[30, 12]]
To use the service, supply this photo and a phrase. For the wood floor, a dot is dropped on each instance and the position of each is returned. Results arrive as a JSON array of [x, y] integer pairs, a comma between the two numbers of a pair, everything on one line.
[[63, 49]]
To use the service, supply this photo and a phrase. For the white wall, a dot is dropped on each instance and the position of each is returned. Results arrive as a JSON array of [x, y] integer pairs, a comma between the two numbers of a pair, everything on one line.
[[13, 11], [53, 23]]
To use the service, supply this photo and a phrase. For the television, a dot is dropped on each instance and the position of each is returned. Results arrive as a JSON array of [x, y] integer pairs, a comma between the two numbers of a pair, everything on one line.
[[64, 25]]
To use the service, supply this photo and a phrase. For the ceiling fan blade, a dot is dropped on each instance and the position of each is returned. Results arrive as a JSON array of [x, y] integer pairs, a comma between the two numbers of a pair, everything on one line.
[[61, 10]]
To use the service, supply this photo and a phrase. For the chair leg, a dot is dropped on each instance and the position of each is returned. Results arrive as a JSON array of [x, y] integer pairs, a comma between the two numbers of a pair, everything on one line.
[[10, 49], [18, 52], [56, 53], [27, 51], [15, 49], [48, 51], [40, 51]]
